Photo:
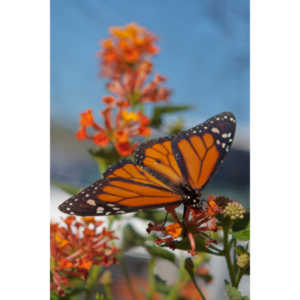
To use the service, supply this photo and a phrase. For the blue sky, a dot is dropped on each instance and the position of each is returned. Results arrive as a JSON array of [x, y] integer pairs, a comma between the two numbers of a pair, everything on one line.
[[204, 53]]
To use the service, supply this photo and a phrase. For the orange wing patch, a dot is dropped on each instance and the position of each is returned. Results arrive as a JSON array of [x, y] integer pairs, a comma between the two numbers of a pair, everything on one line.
[[128, 170], [134, 194], [129, 185], [200, 157], [159, 157]]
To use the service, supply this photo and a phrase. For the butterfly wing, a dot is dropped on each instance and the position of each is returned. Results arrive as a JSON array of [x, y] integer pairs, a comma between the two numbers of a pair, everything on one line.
[[158, 157], [126, 188], [201, 149]]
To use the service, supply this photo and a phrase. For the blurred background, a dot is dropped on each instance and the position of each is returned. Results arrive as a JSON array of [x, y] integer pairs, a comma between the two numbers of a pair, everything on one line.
[[204, 54]]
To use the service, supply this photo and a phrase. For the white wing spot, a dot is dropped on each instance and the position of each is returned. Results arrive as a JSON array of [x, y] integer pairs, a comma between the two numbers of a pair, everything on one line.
[[68, 208], [218, 142], [91, 202], [224, 135], [75, 200], [215, 130], [116, 208], [100, 209], [230, 140], [225, 117], [223, 145], [107, 213], [110, 204], [229, 134], [87, 195]]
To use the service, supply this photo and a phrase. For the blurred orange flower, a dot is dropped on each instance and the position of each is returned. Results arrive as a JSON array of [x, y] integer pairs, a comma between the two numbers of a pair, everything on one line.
[[125, 49], [120, 126], [76, 247]]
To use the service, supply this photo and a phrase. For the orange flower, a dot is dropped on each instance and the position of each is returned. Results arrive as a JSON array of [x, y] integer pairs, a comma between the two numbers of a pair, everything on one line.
[[174, 230], [75, 251], [197, 223], [87, 118], [101, 139]]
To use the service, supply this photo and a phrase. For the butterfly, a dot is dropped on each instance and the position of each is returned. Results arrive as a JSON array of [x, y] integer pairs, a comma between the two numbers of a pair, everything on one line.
[[167, 171]]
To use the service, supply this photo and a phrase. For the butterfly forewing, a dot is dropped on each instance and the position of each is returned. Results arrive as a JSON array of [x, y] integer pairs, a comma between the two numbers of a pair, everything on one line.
[[202, 148], [158, 157]]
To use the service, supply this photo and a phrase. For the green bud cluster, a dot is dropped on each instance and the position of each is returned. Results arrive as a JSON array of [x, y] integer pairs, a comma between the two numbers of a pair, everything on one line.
[[234, 210]]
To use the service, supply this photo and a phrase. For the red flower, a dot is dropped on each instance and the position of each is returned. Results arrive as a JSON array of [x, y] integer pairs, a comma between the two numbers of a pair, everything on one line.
[[74, 252]]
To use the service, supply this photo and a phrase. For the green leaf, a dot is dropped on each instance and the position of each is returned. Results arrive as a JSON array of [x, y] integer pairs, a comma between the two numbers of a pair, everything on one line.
[[240, 224], [68, 188], [234, 294], [243, 235], [131, 238], [159, 111], [93, 277], [156, 216], [161, 253]]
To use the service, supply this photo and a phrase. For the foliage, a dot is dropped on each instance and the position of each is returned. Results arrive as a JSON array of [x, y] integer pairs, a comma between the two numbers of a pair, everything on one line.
[[80, 252]]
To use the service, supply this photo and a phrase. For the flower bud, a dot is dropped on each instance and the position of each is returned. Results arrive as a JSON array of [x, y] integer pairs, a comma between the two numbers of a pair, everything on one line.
[[234, 210], [243, 260]]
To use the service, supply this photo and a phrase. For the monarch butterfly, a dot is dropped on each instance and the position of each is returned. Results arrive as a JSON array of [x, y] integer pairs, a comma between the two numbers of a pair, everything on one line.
[[166, 171]]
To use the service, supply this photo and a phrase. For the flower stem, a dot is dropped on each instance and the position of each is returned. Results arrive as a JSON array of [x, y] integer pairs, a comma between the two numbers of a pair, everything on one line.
[[227, 248], [198, 288]]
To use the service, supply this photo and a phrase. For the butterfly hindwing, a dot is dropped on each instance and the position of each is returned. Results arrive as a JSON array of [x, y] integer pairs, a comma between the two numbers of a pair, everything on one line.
[[202, 148], [125, 188]]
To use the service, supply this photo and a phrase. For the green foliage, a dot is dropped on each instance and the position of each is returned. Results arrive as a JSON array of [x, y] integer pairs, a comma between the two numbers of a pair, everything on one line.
[[68, 188], [240, 224], [160, 111], [162, 253], [243, 235], [234, 294], [156, 216], [131, 238]]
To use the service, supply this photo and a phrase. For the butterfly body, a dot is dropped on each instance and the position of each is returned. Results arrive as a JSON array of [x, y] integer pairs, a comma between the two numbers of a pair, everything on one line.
[[166, 171]]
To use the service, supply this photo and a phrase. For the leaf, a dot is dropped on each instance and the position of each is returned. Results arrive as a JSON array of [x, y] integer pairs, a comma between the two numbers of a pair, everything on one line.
[[161, 253], [234, 294], [155, 216], [159, 111], [243, 235], [131, 238], [240, 224], [68, 188]]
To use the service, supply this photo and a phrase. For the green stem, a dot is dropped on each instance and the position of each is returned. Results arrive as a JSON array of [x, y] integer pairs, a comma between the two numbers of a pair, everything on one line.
[[227, 248], [197, 287], [239, 277]]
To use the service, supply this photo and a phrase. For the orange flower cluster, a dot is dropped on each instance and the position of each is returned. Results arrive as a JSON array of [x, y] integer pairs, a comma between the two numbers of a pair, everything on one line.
[[129, 47], [120, 126], [75, 248], [196, 222], [125, 60]]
